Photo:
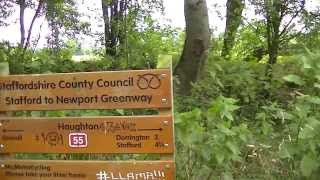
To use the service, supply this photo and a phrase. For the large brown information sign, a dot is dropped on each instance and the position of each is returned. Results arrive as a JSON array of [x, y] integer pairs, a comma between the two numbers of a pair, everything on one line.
[[88, 170], [96, 90], [141, 89], [134, 134]]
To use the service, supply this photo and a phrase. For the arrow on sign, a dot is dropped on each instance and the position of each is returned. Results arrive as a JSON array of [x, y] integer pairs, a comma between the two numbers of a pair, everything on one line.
[[159, 129], [12, 130]]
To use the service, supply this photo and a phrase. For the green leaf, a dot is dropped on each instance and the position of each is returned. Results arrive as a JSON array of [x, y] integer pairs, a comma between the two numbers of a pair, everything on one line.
[[284, 153], [90, 113], [294, 79], [4, 68], [227, 176], [35, 113], [288, 150], [219, 156], [55, 113], [120, 111], [188, 127], [232, 147], [219, 83], [223, 107], [164, 61], [219, 68], [213, 75], [227, 115], [306, 63], [313, 99], [206, 153], [225, 130], [307, 132], [308, 165]]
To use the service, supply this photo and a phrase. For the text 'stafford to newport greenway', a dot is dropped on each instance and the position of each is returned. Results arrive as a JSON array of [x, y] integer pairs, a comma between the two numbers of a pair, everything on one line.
[[99, 90]]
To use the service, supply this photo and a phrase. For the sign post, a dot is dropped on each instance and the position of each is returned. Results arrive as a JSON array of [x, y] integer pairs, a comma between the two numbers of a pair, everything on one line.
[[4, 71], [100, 90], [142, 89], [137, 134]]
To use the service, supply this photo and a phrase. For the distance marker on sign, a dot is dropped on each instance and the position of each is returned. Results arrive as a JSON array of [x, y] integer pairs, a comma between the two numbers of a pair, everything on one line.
[[138, 134]]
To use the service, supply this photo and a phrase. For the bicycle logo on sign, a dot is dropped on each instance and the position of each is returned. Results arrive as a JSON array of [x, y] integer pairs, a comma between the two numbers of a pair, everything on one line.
[[149, 81]]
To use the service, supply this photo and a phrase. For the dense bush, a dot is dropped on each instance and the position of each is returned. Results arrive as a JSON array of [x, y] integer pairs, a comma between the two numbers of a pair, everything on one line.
[[231, 129]]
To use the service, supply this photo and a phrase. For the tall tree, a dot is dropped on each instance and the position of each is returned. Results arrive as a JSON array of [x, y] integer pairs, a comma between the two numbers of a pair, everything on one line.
[[35, 16], [311, 36], [64, 21], [233, 20], [195, 52], [120, 15], [62, 16], [114, 12], [23, 5], [279, 19]]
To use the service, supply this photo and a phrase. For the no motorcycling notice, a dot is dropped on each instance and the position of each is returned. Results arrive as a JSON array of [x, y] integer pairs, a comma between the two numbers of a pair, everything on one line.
[[96, 90]]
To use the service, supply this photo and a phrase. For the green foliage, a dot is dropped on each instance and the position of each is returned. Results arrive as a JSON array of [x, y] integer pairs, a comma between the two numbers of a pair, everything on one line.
[[251, 135], [250, 43], [142, 51], [210, 139], [237, 124], [294, 79], [302, 150], [228, 128]]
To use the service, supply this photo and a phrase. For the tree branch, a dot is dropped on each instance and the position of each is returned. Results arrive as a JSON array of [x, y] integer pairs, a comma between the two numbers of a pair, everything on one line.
[[36, 14], [249, 23], [38, 38], [22, 4], [292, 18]]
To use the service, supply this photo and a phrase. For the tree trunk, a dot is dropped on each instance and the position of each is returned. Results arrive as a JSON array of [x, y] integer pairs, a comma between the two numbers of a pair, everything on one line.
[[40, 5], [107, 35], [113, 28], [22, 4], [273, 9], [113, 16], [195, 52], [234, 16]]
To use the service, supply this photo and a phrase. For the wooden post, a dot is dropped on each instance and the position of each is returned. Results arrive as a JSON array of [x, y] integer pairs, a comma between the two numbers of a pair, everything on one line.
[[4, 71], [167, 63], [139, 89]]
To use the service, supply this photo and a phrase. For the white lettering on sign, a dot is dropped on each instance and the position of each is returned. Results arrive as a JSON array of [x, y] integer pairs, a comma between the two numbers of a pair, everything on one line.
[[156, 174], [78, 140]]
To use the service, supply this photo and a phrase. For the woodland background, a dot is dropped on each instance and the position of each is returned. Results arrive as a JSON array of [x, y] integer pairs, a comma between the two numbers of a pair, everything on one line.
[[247, 102]]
